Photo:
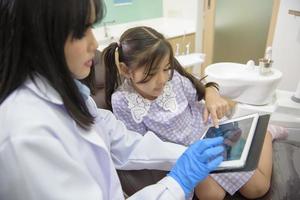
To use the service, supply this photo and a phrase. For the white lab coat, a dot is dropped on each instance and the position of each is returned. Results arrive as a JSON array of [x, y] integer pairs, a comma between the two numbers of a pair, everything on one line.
[[45, 155]]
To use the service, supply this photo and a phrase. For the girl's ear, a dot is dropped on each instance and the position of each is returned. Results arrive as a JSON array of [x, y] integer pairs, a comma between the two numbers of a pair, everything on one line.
[[124, 70]]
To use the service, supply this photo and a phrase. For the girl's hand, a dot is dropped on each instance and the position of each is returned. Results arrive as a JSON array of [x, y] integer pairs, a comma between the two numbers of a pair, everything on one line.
[[215, 106]]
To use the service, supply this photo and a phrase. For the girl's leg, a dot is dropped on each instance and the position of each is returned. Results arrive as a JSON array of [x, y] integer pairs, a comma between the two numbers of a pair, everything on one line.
[[209, 189], [259, 183]]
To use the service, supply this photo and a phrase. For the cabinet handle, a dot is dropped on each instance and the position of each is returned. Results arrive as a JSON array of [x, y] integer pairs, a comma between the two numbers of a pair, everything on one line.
[[208, 4], [294, 12]]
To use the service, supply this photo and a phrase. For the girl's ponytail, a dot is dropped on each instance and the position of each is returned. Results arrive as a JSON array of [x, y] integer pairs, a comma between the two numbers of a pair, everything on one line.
[[200, 88], [112, 75]]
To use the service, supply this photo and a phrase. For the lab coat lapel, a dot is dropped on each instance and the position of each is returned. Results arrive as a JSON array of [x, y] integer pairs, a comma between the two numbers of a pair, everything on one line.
[[92, 137]]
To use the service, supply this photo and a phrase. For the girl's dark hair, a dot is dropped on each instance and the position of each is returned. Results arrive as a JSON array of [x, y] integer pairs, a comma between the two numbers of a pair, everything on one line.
[[32, 38], [141, 46]]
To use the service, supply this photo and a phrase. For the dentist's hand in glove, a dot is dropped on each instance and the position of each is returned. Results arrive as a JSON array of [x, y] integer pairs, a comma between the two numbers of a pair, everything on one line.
[[196, 162]]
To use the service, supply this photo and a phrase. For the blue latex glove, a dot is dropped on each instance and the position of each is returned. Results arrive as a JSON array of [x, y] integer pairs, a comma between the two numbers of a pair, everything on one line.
[[196, 162]]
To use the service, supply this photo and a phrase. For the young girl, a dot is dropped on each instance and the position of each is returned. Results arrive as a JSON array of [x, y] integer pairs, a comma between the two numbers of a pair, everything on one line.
[[54, 142], [149, 90]]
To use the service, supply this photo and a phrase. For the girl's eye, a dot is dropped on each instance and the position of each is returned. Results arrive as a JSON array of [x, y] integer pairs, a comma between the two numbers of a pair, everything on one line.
[[168, 68], [152, 73]]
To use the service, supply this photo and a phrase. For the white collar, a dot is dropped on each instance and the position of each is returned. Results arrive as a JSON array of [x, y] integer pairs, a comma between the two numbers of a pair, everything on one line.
[[139, 106]]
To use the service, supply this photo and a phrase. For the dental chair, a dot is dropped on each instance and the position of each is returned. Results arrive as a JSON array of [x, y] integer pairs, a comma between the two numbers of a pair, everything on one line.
[[99, 90], [286, 159]]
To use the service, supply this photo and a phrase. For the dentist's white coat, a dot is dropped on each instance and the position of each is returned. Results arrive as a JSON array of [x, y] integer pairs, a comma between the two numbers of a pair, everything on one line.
[[45, 155]]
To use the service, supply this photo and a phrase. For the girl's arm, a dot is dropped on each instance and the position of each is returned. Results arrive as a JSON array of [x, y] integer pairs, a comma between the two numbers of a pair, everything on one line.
[[217, 106]]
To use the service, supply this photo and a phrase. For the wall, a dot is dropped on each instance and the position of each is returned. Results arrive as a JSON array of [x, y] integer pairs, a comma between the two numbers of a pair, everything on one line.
[[138, 10], [180, 8], [286, 45], [199, 25]]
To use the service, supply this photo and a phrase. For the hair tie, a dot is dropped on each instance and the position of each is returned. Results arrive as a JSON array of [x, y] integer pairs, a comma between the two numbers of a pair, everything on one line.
[[117, 61]]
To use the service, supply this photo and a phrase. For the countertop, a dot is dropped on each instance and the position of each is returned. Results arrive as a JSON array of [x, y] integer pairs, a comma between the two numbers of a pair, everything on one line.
[[169, 27]]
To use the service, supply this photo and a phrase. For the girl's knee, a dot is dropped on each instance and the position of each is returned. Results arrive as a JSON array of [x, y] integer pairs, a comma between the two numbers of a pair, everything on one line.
[[210, 194], [256, 190]]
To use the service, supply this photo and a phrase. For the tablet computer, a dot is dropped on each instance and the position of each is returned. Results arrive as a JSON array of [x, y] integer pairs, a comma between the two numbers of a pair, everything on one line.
[[238, 135]]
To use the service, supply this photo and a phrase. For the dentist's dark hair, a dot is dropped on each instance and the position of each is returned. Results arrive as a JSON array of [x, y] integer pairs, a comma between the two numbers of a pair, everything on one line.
[[139, 47], [32, 38]]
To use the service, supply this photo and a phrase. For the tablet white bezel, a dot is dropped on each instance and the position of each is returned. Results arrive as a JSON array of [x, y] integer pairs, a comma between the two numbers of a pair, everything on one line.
[[241, 162]]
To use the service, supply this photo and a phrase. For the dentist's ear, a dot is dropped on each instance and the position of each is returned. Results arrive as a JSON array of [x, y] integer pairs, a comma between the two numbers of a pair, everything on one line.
[[124, 70]]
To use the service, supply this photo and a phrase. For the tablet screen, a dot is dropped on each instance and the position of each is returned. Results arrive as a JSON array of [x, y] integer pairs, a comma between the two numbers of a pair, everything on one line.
[[238, 134]]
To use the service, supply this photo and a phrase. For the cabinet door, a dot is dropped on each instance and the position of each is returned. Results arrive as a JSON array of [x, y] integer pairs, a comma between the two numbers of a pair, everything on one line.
[[183, 42], [235, 31], [209, 9]]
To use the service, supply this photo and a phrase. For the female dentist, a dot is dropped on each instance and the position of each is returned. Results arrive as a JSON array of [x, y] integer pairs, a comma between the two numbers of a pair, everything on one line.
[[54, 142]]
